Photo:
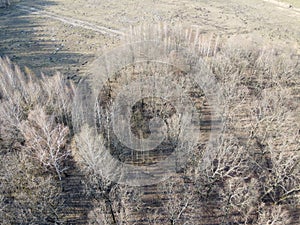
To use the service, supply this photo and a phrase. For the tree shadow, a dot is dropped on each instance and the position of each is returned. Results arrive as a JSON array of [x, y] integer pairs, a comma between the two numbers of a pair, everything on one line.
[[22, 39]]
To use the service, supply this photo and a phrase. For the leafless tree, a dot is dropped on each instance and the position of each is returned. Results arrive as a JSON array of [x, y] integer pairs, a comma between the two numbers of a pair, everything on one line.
[[180, 198], [45, 140], [249, 174], [256, 162], [30, 193], [59, 94], [29, 196], [20, 93], [90, 153], [273, 215]]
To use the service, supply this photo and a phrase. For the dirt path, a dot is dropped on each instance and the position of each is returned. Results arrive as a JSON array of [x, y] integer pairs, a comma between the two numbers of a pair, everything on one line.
[[71, 21]]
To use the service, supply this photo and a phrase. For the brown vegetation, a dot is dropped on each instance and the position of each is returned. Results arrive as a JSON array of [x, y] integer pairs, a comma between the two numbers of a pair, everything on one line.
[[250, 176]]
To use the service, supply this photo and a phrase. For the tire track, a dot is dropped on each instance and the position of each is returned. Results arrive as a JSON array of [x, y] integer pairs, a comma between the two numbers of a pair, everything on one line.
[[68, 20]]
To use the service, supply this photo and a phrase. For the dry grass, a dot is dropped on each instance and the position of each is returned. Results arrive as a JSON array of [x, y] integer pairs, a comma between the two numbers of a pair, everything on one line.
[[294, 3]]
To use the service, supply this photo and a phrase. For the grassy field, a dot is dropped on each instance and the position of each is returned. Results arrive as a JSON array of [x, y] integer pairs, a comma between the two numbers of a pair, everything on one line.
[[47, 45], [294, 3]]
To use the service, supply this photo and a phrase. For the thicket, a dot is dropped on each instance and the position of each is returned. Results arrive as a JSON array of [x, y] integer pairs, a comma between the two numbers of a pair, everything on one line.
[[251, 178]]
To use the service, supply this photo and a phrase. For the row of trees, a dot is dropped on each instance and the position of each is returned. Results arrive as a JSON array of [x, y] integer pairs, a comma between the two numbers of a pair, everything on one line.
[[251, 175], [33, 144]]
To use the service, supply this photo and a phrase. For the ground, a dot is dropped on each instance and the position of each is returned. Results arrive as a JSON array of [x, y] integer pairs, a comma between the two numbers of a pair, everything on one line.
[[58, 39], [67, 36]]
